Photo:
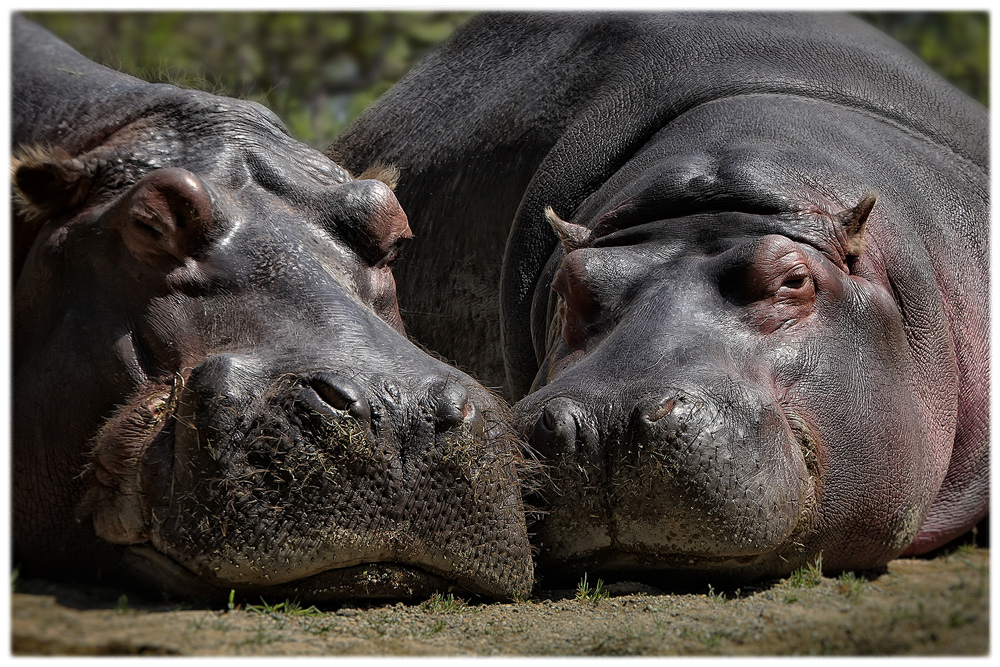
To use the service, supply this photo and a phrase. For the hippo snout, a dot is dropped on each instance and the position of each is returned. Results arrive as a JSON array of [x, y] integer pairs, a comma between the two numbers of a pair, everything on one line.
[[280, 476], [453, 407], [561, 428], [227, 384], [712, 473], [568, 428], [676, 419]]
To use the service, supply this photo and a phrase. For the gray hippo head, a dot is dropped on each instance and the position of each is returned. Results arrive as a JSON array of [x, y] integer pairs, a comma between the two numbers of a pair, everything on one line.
[[213, 387], [733, 357]]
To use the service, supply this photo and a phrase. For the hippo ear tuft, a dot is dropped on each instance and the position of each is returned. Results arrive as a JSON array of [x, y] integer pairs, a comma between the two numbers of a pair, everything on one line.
[[386, 173], [571, 235], [47, 181], [853, 221]]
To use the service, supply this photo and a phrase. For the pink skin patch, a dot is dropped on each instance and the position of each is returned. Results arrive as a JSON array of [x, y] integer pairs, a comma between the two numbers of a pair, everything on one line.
[[579, 303], [385, 234]]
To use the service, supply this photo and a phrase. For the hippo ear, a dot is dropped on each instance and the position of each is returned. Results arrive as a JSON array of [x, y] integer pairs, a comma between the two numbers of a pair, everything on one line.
[[47, 181], [167, 214], [853, 221], [571, 235]]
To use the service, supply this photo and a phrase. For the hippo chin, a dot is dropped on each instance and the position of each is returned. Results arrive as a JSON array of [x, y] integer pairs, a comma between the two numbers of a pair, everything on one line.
[[212, 386], [735, 266]]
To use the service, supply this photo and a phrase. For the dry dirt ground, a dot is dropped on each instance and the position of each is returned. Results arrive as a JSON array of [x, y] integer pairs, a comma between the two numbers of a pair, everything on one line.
[[916, 607]]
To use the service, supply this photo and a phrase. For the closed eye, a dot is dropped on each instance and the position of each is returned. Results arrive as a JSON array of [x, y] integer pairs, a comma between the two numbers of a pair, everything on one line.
[[794, 282], [394, 253]]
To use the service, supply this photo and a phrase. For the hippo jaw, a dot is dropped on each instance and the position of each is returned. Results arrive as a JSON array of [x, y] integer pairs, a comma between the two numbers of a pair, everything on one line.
[[213, 488], [367, 581]]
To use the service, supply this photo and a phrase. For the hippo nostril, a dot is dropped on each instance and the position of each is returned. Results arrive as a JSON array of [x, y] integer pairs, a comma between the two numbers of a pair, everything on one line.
[[341, 394], [665, 412], [453, 406], [556, 428]]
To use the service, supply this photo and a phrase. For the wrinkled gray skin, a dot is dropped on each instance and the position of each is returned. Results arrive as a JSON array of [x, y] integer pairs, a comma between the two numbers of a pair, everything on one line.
[[212, 390], [754, 327]]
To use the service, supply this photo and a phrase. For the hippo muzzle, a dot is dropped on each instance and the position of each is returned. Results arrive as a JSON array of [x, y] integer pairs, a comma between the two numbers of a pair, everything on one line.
[[683, 476], [295, 486]]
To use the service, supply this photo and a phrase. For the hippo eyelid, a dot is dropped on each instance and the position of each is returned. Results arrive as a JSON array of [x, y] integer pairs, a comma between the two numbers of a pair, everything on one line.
[[394, 253], [797, 274]]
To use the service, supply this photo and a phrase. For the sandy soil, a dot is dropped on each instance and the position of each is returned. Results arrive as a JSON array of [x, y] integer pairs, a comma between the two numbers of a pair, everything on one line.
[[929, 607]]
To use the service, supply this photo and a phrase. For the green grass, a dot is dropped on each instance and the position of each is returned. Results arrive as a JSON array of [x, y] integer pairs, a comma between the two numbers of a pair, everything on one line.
[[808, 576], [716, 597], [520, 597], [380, 624], [288, 607], [959, 618], [262, 636], [446, 604], [851, 585], [438, 626], [594, 595]]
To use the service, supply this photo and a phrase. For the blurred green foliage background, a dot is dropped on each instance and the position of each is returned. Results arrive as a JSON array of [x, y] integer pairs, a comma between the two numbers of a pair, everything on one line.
[[956, 44], [318, 70]]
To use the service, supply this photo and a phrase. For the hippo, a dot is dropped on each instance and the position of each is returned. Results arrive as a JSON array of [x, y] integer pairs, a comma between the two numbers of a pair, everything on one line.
[[213, 391], [732, 268]]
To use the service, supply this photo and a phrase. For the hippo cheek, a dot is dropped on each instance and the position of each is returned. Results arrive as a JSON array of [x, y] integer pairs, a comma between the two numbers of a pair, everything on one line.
[[318, 489], [129, 458], [685, 483]]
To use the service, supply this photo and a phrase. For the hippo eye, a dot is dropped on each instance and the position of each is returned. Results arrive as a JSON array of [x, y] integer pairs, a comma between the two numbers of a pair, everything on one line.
[[393, 254], [774, 270], [794, 283], [796, 279]]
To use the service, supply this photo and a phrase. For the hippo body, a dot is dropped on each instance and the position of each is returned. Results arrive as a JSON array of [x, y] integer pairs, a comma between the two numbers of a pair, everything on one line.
[[213, 387], [733, 268]]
